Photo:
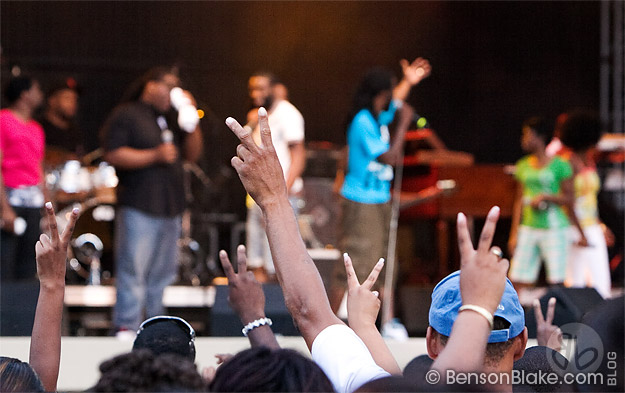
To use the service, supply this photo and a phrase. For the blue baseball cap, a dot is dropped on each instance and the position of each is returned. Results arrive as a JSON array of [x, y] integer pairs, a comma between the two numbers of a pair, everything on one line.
[[446, 301]]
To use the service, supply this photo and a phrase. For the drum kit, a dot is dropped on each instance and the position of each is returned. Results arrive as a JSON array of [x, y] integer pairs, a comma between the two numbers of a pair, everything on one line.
[[93, 190]]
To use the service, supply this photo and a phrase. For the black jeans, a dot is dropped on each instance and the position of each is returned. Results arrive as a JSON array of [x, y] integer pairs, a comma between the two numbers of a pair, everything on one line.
[[17, 253]]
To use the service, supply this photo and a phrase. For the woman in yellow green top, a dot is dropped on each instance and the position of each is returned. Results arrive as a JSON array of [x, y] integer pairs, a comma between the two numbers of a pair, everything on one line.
[[540, 221], [586, 265]]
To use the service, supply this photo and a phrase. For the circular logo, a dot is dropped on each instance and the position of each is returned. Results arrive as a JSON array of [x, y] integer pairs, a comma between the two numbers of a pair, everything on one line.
[[582, 346], [432, 377]]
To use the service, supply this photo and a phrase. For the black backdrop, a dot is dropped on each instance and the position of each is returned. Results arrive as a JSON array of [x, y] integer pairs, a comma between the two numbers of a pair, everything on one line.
[[494, 63]]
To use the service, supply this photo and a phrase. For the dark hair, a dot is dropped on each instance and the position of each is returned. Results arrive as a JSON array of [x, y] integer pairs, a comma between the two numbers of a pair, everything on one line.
[[581, 130], [541, 359], [273, 79], [166, 336], [18, 376], [136, 88], [16, 86], [402, 384], [142, 371], [263, 369], [494, 351], [375, 81], [416, 369], [541, 128]]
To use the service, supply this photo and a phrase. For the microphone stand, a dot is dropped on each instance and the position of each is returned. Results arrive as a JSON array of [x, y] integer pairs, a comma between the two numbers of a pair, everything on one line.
[[392, 239]]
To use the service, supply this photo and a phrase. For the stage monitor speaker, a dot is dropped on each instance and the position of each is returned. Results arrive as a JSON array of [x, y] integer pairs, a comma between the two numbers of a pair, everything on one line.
[[226, 323], [18, 301], [571, 305]]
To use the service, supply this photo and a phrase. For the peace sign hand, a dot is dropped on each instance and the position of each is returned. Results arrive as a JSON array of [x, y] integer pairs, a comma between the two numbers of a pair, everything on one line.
[[482, 271], [363, 304], [51, 250], [547, 334], [246, 295]]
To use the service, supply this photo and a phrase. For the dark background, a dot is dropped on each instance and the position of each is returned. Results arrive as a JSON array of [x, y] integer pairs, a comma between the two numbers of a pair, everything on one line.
[[494, 63]]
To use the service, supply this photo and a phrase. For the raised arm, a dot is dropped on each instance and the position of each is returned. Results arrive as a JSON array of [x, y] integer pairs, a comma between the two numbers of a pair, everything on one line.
[[45, 343], [482, 282], [413, 74], [363, 307], [247, 299], [261, 174]]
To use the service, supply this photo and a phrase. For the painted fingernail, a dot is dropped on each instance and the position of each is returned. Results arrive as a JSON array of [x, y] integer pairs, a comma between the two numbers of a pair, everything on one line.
[[460, 217], [376, 293], [75, 210], [262, 111], [48, 205], [495, 210], [381, 260], [222, 253], [229, 121], [240, 247]]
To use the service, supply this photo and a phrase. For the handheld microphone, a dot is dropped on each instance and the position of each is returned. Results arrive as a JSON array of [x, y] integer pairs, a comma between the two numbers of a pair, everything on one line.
[[188, 118]]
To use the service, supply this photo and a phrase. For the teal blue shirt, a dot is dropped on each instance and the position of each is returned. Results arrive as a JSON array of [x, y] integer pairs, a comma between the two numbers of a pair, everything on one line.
[[367, 180]]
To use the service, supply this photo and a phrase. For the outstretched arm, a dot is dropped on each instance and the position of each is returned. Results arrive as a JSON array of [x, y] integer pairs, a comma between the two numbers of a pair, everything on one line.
[[247, 299], [45, 343], [363, 307], [261, 174], [482, 282], [413, 74]]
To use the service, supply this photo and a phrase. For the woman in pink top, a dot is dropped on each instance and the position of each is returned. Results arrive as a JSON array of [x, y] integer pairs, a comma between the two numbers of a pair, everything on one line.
[[22, 144]]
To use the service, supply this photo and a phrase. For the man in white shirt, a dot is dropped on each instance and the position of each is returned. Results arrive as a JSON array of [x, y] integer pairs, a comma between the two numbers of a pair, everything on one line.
[[287, 129]]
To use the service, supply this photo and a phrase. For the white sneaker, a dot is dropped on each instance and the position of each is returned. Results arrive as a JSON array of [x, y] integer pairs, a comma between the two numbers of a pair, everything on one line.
[[394, 330]]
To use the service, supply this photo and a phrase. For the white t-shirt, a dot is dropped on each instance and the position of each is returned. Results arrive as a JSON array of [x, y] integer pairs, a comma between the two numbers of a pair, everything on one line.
[[345, 359], [287, 127]]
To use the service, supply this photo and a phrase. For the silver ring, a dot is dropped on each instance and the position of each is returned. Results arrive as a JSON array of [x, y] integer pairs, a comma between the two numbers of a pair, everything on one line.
[[497, 251]]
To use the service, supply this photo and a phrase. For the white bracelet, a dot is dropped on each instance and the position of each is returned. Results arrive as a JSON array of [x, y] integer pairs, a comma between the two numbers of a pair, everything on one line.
[[254, 324], [480, 310]]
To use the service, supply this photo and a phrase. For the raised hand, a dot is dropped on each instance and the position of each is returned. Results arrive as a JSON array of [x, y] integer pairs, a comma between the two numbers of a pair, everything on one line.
[[51, 250], [416, 71], [482, 271], [258, 166], [246, 295], [363, 304], [51, 255], [547, 334]]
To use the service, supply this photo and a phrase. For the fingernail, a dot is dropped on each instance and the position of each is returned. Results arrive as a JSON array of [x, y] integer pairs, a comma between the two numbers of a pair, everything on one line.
[[495, 210], [536, 302], [381, 260], [376, 293], [75, 210], [229, 121], [240, 247], [461, 217], [48, 205], [552, 300], [262, 111], [222, 253]]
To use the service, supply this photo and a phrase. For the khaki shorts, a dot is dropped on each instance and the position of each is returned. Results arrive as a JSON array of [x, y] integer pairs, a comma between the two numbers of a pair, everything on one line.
[[364, 232]]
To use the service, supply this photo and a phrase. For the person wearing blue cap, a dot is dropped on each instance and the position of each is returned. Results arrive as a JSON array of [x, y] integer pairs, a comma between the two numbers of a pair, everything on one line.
[[507, 339]]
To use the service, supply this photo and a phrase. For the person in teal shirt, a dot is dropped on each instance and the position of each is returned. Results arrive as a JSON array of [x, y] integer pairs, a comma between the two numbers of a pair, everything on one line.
[[371, 154]]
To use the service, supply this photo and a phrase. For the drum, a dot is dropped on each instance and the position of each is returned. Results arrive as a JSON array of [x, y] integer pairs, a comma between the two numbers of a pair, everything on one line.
[[93, 234]]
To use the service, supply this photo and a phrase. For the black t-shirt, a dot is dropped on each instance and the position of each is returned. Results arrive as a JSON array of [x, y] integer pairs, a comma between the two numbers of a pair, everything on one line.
[[157, 189], [67, 139]]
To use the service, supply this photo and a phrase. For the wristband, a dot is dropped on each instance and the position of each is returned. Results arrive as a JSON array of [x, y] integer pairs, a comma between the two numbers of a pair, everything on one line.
[[254, 324], [480, 310]]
